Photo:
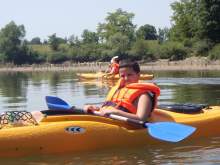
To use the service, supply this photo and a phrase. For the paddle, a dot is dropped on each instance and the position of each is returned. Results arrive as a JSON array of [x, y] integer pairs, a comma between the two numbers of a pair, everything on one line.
[[167, 131], [56, 103]]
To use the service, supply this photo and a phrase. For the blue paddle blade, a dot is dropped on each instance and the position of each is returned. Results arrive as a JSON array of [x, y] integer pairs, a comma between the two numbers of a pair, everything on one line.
[[56, 103], [57, 106], [169, 131]]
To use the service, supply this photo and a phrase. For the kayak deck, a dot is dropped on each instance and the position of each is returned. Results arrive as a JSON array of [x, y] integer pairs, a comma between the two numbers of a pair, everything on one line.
[[205, 121], [76, 133]]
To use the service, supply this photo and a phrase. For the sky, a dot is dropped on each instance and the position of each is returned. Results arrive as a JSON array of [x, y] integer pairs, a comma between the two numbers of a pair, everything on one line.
[[42, 18]]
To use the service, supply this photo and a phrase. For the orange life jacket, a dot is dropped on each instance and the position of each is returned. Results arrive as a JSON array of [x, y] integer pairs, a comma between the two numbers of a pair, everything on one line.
[[125, 97], [115, 66]]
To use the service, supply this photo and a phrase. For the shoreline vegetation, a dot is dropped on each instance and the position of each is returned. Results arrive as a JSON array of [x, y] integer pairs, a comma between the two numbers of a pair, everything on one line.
[[189, 36], [193, 63]]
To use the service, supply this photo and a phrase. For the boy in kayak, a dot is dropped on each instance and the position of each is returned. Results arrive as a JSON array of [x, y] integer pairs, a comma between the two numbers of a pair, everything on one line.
[[129, 98]]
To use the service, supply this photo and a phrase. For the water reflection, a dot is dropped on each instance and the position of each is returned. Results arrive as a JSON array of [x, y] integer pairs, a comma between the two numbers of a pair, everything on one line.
[[187, 80], [183, 74], [209, 94], [189, 90], [13, 84], [200, 151], [26, 91]]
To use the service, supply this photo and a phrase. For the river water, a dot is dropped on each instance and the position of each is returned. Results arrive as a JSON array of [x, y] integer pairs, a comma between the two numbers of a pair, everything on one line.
[[27, 91]]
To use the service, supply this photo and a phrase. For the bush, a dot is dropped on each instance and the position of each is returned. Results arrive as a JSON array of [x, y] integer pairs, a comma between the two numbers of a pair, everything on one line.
[[214, 54], [201, 48], [188, 43], [172, 51], [57, 57]]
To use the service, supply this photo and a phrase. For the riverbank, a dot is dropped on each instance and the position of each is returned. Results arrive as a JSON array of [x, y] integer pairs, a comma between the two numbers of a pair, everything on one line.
[[193, 63]]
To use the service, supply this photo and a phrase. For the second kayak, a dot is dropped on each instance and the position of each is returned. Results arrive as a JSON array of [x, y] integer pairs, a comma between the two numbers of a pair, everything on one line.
[[102, 75]]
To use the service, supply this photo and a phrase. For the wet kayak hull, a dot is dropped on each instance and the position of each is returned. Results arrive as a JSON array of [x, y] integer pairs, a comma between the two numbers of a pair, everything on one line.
[[79, 133]]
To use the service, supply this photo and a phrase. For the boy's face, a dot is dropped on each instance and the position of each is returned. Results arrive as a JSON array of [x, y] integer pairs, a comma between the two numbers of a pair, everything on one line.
[[128, 75]]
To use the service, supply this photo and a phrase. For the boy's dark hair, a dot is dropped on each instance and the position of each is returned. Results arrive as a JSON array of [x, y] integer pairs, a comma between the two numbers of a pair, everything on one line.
[[127, 63]]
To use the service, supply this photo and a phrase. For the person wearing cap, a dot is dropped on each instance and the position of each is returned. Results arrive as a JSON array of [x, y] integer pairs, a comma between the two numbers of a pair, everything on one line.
[[114, 66]]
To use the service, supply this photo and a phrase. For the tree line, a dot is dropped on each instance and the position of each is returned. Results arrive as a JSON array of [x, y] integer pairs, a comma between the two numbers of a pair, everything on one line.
[[195, 31]]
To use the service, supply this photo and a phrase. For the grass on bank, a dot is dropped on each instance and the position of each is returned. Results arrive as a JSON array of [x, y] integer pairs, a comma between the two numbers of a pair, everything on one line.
[[142, 50]]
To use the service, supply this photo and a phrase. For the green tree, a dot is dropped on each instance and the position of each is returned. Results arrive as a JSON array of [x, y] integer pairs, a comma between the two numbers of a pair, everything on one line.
[[117, 22], [36, 41], [139, 49], [196, 19], [147, 32], [212, 18], [12, 47], [163, 34], [172, 51], [214, 54], [118, 44], [73, 41], [183, 17], [54, 42], [90, 37]]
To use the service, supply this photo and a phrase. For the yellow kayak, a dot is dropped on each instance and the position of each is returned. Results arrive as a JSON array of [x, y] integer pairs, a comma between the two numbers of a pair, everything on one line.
[[79, 133], [102, 75]]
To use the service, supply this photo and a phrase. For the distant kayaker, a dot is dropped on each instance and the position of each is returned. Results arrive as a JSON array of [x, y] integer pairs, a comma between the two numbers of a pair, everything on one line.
[[129, 98], [113, 66]]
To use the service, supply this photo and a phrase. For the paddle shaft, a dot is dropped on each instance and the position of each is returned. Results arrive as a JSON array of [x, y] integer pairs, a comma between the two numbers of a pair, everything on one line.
[[80, 111], [121, 118]]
